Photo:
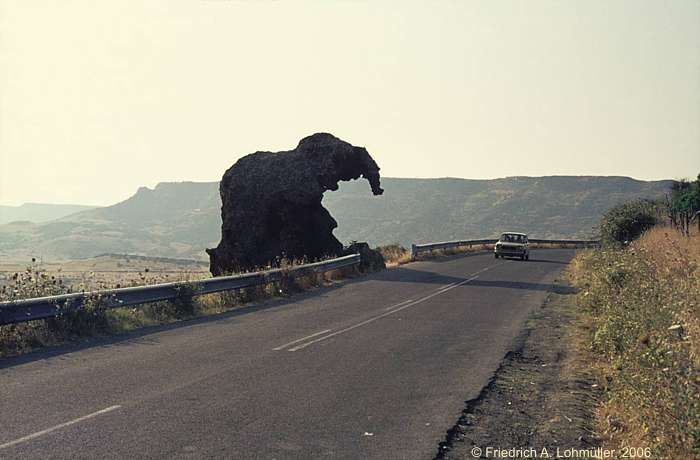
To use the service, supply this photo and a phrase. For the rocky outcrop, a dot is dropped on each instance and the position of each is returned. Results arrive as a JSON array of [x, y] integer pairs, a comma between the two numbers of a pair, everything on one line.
[[371, 260], [271, 203]]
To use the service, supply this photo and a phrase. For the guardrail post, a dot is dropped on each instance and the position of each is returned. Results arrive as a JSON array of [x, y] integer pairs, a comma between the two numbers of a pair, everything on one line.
[[414, 252]]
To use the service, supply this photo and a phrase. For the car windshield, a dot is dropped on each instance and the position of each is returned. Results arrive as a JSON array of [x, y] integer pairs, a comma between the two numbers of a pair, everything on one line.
[[510, 238]]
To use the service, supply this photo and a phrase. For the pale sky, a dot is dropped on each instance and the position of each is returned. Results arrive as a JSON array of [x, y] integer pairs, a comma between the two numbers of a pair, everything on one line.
[[98, 98]]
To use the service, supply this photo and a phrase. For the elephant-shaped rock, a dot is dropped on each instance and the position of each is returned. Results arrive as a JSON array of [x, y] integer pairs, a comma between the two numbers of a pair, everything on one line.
[[271, 203]]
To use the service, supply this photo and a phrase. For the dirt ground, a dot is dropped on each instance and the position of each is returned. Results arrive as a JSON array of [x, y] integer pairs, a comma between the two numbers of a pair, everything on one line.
[[541, 397]]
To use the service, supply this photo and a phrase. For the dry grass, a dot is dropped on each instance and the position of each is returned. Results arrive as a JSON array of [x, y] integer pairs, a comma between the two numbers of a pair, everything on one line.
[[395, 254], [644, 305], [103, 272]]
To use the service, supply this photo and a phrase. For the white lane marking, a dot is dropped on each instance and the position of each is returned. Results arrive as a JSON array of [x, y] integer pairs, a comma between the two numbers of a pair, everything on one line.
[[374, 318], [58, 427], [299, 340], [445, 286], [448, 286], [398, 304], [488, 268]]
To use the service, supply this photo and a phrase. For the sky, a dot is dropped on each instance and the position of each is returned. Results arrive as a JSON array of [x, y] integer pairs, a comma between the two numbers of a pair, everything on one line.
[[98, 98]]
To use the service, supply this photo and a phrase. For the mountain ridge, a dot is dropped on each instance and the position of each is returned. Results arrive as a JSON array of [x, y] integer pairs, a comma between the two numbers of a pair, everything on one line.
[[180, 219], [39, 212]]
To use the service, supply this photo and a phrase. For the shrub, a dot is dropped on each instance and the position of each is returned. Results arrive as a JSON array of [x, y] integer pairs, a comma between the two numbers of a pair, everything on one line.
[[88, 319], [371, 260], [626, 222], [684, 204], [395, 254]]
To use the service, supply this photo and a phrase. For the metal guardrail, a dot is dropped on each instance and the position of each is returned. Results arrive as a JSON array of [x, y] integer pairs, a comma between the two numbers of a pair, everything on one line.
[[584, 243], [17, 311], [418, 248]]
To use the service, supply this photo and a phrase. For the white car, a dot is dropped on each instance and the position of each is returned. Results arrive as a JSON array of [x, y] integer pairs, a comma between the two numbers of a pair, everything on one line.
[[512, 244]]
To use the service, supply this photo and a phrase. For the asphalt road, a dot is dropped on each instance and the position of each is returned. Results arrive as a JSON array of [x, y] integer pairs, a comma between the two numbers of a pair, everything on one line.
[[376, 367]]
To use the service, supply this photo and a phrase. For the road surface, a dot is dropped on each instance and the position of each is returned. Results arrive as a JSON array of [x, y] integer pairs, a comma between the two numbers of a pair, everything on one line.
[[375, 367]]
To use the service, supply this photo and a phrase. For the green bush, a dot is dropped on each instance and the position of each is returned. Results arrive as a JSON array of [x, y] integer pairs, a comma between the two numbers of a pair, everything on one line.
[[684, 204], [626, 222]]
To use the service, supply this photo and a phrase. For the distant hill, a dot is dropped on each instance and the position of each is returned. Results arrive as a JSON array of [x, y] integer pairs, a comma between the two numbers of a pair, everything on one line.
[[429, 210], [176, 220], [38, 212], [179, 220]]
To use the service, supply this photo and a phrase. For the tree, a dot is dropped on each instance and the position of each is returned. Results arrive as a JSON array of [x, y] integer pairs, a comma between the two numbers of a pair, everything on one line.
[[627, 221], [684, 204]]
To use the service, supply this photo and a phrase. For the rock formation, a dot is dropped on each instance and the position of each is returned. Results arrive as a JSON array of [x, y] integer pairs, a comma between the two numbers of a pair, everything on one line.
[[371, 260], [271, 203]]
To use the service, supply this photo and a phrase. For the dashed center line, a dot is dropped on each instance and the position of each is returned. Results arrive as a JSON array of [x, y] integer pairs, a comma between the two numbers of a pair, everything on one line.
[[446, 286], [299, 340], [370, 320], [398, 304], [57, 427]]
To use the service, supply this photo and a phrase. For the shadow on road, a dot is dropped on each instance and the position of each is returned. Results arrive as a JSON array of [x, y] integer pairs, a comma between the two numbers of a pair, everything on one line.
[[556, 288], [409, 275], [561, 262]]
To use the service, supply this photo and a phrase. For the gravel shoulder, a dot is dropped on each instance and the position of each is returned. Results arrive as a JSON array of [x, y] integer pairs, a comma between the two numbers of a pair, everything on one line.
[[541, 397]]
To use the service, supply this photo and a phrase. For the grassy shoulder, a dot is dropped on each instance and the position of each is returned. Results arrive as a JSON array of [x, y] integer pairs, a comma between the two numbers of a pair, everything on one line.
[[643, 305]]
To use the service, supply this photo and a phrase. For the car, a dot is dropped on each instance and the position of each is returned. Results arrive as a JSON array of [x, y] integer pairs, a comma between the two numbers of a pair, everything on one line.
[[512, 244]]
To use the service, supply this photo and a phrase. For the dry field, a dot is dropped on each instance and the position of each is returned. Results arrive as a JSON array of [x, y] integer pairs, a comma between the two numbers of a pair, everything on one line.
[[108, 271]]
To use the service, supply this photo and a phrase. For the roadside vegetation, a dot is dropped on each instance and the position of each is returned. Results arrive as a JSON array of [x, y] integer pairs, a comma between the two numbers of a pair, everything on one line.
[[95, 320], [395, 254], [627, 222], [640, 294], [92, 319], [453, 251]]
